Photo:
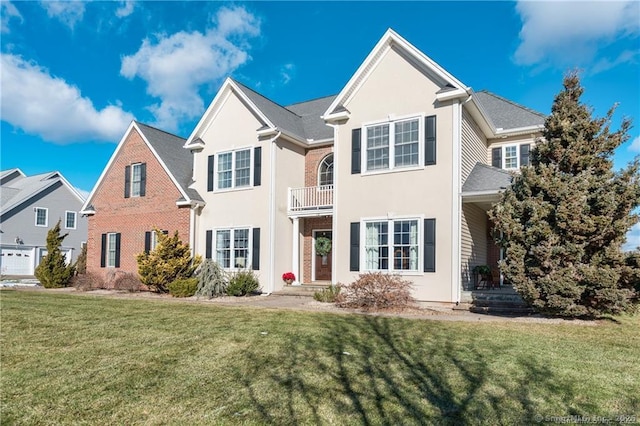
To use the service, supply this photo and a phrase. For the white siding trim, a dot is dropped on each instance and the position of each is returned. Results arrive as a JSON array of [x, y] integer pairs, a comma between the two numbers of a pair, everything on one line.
[[456, 213]]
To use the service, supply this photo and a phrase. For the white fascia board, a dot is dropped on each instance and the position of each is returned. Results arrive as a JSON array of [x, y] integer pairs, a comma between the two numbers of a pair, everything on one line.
[[271, 131], [519, 130], [452, 94], [71, 188], [481, 196], [87, 203], [87, 212], [481, 117], [332, 118]]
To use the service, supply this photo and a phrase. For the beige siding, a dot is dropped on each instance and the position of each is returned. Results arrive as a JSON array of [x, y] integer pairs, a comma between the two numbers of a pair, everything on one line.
[[474, 145], [474, 242], [395, 88]]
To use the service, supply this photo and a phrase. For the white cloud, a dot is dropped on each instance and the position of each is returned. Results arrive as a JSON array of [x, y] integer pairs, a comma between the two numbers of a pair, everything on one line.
[[635, 145], [633, 238], [570, 33], [125, 9], [8, 11], [41, 104], [287, 72], [176, 66], [84, 194], [67, 12]]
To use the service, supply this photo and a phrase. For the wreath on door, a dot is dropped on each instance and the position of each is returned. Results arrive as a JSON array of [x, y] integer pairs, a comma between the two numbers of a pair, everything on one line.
[[323, 246]]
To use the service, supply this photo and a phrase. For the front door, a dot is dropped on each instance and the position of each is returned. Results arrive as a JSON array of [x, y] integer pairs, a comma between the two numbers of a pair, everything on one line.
[[322, 247]]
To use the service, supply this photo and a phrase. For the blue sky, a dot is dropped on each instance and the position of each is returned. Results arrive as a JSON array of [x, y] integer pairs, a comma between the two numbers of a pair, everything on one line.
[[74, 74]]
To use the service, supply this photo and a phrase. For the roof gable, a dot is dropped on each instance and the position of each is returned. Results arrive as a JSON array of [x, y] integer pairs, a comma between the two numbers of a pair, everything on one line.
[[506, 114], [168, 151]]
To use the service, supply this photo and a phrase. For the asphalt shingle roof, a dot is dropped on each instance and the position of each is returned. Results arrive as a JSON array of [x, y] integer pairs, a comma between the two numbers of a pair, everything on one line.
[[21, 188], [178, 160], [486, 178], [506, 114]]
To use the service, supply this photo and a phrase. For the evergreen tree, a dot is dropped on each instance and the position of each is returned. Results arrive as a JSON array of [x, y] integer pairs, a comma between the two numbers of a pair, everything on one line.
[[169, 261], [564, 219], [53, 271]]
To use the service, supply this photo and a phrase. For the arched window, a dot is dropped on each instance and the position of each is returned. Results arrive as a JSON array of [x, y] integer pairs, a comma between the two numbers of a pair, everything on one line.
[[325, 171]]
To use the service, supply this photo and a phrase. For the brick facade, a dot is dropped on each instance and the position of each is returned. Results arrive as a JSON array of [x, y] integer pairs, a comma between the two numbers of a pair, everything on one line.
[[312, 160], [132, 217]]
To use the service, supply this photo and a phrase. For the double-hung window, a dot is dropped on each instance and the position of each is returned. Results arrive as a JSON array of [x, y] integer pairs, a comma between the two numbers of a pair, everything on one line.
[[392, 245], [511, 157], [232, 248], [111, 250], [42, 216], [136, 179], [70, 220], [393, 145], [234, 169]]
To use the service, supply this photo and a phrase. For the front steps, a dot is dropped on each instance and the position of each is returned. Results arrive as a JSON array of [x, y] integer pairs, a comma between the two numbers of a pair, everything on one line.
[[503, 301], [304, 290]]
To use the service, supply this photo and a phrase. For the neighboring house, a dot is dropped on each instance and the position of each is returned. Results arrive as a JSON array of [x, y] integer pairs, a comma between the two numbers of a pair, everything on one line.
[[144, 186], [397, 170], [31, 206]]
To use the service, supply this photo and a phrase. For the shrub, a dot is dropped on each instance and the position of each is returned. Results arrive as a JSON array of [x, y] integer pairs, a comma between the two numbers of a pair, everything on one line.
[[327, 295], [376, 291], [86, 282], [184, 287], [81, 261], [169, 261], [53, 271], [242, 283], [212, 280], [125, 281]]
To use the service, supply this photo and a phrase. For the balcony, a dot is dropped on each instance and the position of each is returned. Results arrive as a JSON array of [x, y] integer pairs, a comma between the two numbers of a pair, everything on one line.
[[310, 201]]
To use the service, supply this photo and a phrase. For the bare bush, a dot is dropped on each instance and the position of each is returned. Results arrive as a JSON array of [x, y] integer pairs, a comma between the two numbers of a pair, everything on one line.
[[375, 291], [89, 281], [125, 281]]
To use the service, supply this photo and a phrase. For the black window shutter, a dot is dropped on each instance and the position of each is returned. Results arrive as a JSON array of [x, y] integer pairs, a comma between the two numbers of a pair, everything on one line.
[[524, 154], [429, 245], [147, 241], [257, 166], [117, 265], [496, 157], [255, 250], [430, 140], [210, 170], [355, 151], [127, 181], [354, 252], [143, 179], [165, 232], [103, 251], [208, 242]]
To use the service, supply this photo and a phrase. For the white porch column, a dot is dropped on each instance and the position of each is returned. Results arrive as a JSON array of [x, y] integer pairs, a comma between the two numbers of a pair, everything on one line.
[[295, 256]]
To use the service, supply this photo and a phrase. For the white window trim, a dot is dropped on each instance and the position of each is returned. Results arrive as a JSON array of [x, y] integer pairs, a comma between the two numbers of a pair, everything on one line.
[[333, 172], [108, 249], [390, 219], [233, 186], [75, 219], [504, 156], [392, 167], [46, 216], [214, 255], [133, 166]]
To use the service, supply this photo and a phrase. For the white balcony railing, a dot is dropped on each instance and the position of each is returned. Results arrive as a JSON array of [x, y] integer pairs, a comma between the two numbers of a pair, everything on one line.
[[310, 200]]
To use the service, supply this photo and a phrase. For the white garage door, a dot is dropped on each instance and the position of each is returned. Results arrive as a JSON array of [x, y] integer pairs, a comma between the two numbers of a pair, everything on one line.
[[16, 261]]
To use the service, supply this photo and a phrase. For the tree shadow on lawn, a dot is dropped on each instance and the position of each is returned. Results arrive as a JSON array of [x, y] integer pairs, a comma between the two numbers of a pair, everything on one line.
[[378, 370]]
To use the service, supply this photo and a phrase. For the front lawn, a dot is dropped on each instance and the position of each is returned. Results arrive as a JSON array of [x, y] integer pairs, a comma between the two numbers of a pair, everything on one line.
[[95, 360]]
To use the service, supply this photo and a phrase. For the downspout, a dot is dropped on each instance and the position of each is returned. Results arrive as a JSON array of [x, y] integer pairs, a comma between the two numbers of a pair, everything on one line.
[[272, 213]]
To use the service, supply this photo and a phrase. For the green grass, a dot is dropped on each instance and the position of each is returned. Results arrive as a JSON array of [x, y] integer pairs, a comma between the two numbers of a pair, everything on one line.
[[94, 360]]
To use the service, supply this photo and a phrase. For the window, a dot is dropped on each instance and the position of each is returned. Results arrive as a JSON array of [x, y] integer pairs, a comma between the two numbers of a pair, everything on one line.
[[234, 169], [70, 220], [511, 157], [42, 218], [136, 179], [232, 248], [111, 250], [393, 145], [398, 251], [154, 241], [325, 171]]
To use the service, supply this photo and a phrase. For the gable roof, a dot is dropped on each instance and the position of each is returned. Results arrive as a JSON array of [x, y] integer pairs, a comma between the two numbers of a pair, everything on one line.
[[20, 188], [301, 121], [506, 114], [485, 178], [168, 150]]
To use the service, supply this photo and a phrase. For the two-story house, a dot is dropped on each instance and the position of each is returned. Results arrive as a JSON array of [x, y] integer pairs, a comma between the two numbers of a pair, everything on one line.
[[144, 186], [31, 206], [397, 172]]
